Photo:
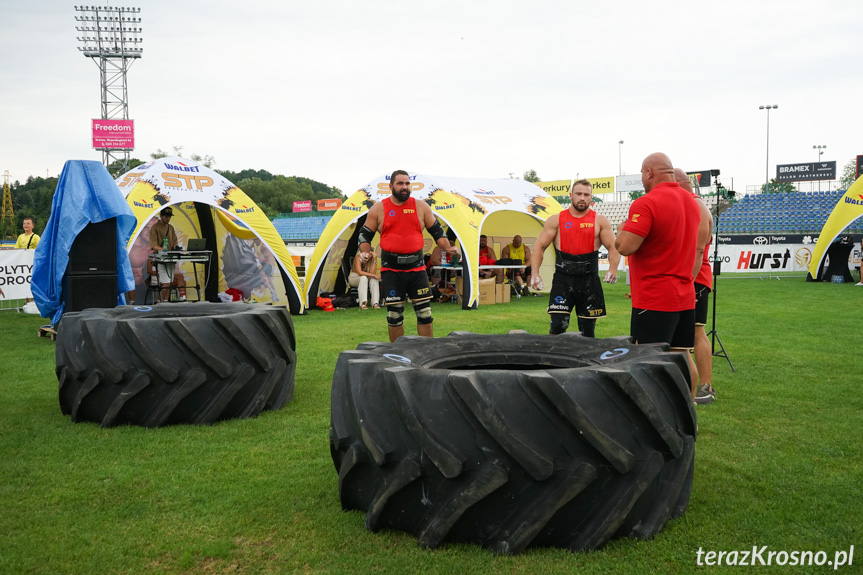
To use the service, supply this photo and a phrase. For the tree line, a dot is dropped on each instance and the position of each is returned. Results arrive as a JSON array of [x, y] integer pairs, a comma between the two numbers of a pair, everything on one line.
[[273, 193]]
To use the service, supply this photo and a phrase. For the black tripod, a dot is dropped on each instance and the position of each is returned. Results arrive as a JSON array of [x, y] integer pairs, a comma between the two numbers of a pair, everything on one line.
[[717, 270]]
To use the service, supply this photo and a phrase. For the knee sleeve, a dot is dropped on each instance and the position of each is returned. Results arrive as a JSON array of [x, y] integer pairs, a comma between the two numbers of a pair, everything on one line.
[[587, 327], [395, 315], [559, 323], [423, 311]]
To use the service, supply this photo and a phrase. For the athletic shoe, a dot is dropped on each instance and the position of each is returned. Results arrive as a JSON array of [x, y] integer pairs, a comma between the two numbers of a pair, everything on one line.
[[705, 394], [859, 284], [525, 291]]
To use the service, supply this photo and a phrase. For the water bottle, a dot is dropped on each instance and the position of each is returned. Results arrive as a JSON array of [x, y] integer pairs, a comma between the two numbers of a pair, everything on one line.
[[165, 243]]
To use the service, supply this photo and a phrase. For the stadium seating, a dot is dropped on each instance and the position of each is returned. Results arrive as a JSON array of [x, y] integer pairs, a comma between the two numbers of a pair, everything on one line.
[[784, 213], [301, 228]]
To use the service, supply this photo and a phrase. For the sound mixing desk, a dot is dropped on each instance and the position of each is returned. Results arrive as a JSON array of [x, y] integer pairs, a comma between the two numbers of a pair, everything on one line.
[[172, 257]]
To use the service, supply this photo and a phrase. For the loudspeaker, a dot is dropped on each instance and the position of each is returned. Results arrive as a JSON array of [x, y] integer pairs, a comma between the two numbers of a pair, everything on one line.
[[94, 250], [82, 292]]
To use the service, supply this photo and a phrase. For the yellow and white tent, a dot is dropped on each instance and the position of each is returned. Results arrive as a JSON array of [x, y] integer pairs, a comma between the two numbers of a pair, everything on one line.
[[249, 253], [848, 208], [498, 208]]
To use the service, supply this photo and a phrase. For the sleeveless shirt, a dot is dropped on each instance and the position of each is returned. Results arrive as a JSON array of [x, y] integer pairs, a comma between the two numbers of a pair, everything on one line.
[[577, 235], [401, 232]]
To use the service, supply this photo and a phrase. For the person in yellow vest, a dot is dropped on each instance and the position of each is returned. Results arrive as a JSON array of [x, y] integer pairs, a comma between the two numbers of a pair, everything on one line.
[[518, 251], [28, 240]]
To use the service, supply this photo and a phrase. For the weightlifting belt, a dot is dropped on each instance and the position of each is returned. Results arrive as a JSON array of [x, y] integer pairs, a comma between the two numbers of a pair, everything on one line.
[[401, 261], [580, 265]]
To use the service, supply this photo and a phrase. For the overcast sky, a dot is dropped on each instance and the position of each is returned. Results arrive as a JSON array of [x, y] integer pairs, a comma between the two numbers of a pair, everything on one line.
[[342, 91]]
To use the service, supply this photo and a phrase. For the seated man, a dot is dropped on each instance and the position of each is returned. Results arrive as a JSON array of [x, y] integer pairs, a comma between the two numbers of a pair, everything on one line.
[[487, 257], [162, 234], [517, 250]]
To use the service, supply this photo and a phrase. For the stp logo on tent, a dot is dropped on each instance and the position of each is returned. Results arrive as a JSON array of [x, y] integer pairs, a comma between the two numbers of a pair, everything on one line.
[[187, 181], [384, 187]]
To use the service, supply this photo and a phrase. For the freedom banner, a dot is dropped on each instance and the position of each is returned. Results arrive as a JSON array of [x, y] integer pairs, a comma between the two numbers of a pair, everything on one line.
[[16, 268]]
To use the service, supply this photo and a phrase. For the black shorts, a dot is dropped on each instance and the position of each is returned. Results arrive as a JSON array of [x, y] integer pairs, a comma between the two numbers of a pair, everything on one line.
[[676, 328], [701, 297], [398, 286], [582, 292]]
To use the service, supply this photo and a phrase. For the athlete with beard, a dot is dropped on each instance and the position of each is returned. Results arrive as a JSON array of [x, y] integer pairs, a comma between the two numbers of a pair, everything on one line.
[[401, 219], [577, 233]]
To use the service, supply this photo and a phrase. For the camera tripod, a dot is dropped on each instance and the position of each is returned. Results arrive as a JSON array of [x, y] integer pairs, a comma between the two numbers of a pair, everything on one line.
[[717, 270]]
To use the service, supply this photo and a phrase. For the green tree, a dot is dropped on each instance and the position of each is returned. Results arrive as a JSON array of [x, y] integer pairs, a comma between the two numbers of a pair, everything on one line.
[[849, 174], [635, 195], [779, 187], [530, 176], [119, 167], [208, 161], [33, 199]]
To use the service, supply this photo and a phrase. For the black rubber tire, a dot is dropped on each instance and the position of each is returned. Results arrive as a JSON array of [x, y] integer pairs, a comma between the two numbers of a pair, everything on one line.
[[510, 441], [168, 364]]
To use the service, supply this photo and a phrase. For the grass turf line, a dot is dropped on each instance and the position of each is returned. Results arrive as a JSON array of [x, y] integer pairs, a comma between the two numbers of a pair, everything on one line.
[[778, 458]]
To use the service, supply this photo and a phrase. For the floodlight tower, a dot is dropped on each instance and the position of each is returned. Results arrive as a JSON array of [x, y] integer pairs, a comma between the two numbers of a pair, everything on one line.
[[7, 222], [112, 39]]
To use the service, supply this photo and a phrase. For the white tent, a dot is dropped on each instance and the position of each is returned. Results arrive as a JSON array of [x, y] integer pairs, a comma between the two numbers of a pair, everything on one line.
[[498, 208], [208, 201]]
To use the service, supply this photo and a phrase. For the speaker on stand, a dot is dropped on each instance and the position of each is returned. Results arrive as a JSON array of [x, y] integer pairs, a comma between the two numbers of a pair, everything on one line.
[[91, 276]]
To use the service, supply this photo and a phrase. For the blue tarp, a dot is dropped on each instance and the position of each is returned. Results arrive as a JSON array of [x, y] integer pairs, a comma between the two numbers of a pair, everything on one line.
[[85, 193]]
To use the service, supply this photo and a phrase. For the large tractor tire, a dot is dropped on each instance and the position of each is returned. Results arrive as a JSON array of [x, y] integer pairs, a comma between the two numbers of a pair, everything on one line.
[[169, 364], [510, 441]]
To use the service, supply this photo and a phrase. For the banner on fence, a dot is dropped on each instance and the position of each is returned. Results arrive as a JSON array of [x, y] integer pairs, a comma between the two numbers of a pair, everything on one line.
[[16, 268], [329, 204], [770, 253]]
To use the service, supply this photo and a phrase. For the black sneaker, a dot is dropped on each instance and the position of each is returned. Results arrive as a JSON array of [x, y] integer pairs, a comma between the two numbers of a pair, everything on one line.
[[705, 394]]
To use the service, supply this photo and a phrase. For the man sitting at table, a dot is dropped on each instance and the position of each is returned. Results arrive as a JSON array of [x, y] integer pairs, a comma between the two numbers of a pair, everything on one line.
[[158, 233], [518, 252], [487, 257]]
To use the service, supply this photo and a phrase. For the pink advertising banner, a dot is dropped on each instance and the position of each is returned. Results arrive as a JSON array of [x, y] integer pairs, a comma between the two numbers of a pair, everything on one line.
[[113, 134], [303, 206]]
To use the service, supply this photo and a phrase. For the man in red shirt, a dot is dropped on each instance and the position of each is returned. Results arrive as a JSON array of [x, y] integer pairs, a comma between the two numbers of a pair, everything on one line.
[[577, 233], [703, 284], [401, 219], [659, 236], [487, 257]]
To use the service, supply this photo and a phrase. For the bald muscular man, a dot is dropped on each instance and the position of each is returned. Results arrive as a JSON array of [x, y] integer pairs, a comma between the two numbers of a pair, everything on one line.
[[659, 236]]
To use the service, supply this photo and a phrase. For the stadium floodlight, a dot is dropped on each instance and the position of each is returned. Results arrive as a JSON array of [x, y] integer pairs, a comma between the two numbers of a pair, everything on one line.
[[767, 107], [111, 36], [619, 158], [820, 153]]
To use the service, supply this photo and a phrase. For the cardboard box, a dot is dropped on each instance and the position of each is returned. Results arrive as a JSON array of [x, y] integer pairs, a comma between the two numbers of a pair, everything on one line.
[[502, 293], [486, 292]]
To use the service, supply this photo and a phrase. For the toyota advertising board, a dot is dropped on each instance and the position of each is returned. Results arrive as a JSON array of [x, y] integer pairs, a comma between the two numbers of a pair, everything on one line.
[[113, 134]]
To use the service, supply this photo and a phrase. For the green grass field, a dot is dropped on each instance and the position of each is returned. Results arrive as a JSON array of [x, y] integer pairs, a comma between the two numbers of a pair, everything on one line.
[[778, 458]]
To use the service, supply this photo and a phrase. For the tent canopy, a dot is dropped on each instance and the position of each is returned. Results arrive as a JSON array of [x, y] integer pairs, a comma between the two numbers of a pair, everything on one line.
[[848, 208], [85, 193], [187, 186], [499, 208]]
